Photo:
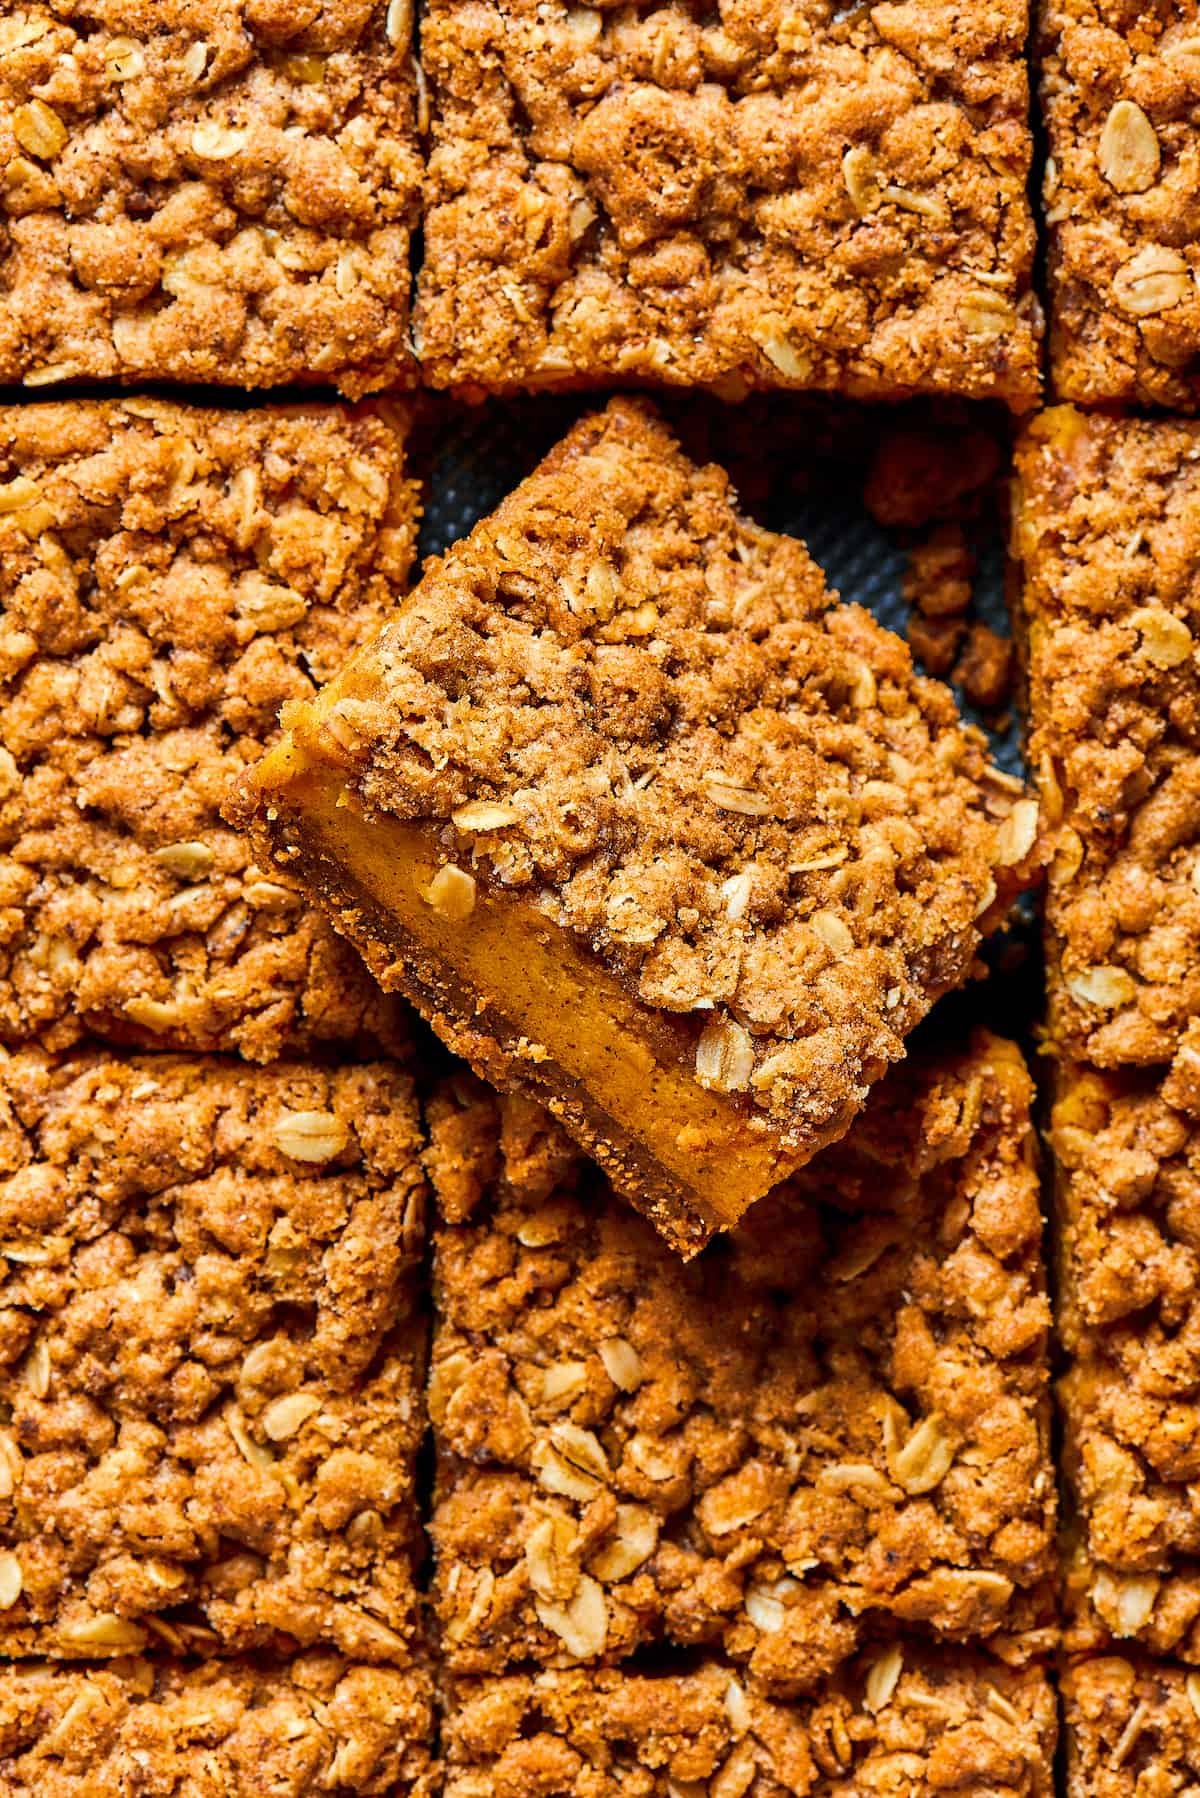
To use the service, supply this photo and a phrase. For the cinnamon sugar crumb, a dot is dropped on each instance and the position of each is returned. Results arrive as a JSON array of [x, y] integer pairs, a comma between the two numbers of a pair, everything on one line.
[[210, 1357], [221, 1727], [202, 193], [590, 1396], [697, 200], [954, 1722], [169, 577]]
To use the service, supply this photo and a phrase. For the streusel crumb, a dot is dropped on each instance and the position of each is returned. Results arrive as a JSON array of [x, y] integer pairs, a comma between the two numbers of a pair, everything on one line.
[[785, 195], [1131, 1727], [1120, 88], [833, 1421], [1128, 1154], [169, 577], [1108, 531], [903, 1723], [210, 1356], [216, 1729], [197, 191]]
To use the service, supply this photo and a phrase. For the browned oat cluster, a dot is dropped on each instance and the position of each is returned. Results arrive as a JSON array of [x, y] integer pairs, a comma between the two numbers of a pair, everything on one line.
[[905, 1723], [210, 1357], [215, 1729], [833, 1422], [645, 719], [1132, 1728], [199, 191], [1108, 530], [1128, 1154], [1120, 85], [786, 195], [169, 577], [673, 847]]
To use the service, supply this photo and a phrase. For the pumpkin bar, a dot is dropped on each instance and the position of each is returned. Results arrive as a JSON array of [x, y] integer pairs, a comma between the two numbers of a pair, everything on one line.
[[832, 1423], [1127, 1148], [1130, 1726], [648, 824], [756, 196], [211, 1357], [904, 1721], [198, 193], [169, 577], [1120, 87], [215, 1729], [1108, 531]]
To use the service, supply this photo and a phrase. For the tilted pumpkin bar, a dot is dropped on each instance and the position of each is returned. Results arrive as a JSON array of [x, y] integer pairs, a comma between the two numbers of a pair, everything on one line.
[[906, 1722], [787, 196], [648, 824], [194, 191], [1120, 87], [169, 576], [831, 1424], [210, 1356], [1128, 1199], [1108, 531], [216, 1729], [1131, 1726]]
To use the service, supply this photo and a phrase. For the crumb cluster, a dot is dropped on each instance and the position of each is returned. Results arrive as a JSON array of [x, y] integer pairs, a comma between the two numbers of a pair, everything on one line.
[[216, 1729], [170, 577], [195, 191], [211, 1356], [832, 1422], [1108, 530], [765, 195], [1132, 1726], [1119, 87]]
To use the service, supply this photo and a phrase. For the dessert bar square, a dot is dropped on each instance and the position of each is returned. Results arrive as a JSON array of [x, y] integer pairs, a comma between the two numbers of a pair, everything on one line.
[[194, 192], [903, 1721], [1128, 1174], [648, 824], [1108, 530], [168, 578], [211, 1356], [1131, 1726], [831, 1423], [1120, 87], [195, 1728], [799, 196]]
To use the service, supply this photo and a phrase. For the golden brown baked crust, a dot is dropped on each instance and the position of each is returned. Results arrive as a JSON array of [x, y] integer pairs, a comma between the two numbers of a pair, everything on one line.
[[1108, 529], [904, 1723], [195, 191], [1120, 85], [210, 1356], [834, 1421], [217, 1729], [780, 195], [648, 720], [1128, 1153], [168, 578], [1131, 1728]]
